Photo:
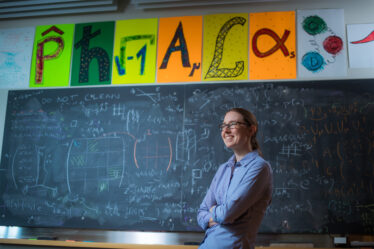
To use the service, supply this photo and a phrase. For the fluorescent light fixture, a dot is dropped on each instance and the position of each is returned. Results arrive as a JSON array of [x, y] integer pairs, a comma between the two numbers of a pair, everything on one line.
[[34, 8], [157, 4]]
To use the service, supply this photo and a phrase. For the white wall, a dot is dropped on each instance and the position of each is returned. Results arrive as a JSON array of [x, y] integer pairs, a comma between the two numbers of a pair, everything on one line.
[[356, 11]]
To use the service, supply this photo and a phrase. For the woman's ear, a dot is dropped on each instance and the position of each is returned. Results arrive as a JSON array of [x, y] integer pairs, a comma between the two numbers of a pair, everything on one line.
[[252, 130]]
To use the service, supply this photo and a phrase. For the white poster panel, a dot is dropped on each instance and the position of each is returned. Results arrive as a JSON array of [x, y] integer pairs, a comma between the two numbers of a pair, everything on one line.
[[361, 45], [15, 57], [321, 43]]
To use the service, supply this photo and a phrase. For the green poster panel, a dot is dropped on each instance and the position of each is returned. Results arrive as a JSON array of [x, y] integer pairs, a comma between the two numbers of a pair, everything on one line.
[[50, 65], [92, 54]]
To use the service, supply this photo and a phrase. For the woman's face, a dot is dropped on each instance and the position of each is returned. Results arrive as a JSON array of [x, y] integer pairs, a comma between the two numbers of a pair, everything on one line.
[[238, 137]]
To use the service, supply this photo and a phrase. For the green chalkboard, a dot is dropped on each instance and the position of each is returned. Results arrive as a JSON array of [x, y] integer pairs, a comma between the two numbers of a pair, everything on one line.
[[142, 157]]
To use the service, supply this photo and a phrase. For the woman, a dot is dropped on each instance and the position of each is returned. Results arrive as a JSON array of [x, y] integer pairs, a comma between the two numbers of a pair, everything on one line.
[[241, 189]]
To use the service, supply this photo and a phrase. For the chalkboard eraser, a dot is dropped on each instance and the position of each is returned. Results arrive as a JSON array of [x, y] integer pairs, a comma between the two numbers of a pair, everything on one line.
[[340, 240], [292, 245], [47, 238], [369, 244], [191, 243]]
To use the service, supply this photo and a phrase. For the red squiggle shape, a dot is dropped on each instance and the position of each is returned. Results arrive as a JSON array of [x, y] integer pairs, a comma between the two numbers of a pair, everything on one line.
[[368, 38]]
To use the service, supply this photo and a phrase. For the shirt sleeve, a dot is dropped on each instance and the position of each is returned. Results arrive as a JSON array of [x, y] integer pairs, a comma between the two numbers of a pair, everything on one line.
[[248, 192], [209, 200]]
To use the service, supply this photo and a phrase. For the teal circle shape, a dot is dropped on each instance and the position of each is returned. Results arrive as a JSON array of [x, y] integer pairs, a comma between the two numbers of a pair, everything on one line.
[[313, 61]]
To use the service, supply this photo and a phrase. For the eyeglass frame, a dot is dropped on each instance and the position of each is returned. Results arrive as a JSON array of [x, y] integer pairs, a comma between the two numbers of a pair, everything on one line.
[[229, 125]]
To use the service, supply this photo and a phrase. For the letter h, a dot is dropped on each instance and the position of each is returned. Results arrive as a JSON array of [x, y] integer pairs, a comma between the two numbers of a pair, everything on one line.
[[87, 54]]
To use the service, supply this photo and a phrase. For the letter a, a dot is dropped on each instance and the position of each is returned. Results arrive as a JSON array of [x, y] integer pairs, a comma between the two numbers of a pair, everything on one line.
[[172, 48]]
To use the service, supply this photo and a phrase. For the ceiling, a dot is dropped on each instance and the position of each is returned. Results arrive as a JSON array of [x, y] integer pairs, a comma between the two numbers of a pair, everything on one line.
[[158, 4], [11, 9], [37, 8]]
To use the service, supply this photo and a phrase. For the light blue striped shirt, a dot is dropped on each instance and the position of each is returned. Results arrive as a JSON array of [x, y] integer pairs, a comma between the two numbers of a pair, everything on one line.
[[241, 192]]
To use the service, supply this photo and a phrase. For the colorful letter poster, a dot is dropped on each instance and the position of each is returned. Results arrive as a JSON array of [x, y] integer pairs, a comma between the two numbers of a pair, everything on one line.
[[15, 57], [179, 49], [135, 48], [92, 54], [272, 54], [225, 52], [361, 45], [50, 65], [321, 43]]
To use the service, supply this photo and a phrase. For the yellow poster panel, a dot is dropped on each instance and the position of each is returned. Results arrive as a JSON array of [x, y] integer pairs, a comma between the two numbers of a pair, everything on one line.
[[272, 54], [50, 65], [135, 44], [179, 49], [225, 54]]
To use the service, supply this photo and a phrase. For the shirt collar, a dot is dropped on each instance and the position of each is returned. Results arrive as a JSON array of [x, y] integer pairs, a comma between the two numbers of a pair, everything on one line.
[[245, 160]]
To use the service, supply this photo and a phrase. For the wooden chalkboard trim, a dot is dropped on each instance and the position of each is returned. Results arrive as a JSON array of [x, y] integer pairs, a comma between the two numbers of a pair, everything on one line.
[[80, 244]]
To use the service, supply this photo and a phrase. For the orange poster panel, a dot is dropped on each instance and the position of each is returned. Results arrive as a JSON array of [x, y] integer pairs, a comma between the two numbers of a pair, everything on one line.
[[272, 53], [179, 49]]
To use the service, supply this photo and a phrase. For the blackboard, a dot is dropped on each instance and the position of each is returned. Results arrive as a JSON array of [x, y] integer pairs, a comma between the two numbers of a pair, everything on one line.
[[142, 157]]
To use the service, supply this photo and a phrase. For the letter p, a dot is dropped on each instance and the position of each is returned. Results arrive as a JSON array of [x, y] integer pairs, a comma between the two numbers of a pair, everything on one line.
[[41, 57]]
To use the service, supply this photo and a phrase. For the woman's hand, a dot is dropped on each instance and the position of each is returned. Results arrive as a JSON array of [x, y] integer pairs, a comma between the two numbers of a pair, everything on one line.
[[211, 209], [211, 221]]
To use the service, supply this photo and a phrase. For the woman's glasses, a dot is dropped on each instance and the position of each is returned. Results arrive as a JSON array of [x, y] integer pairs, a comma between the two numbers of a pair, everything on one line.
[[231, 125]]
